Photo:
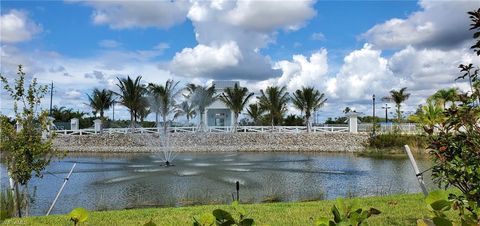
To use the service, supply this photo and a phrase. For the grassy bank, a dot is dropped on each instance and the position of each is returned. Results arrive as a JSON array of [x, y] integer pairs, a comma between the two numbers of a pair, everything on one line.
[[396, 210]]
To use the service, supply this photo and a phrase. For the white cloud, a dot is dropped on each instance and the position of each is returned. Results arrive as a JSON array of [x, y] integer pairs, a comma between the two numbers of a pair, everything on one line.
[[363, 73], [108, 43], [130, 14], [202, 60], [304, 71], [441, 24], [269, 15], [15, 26]]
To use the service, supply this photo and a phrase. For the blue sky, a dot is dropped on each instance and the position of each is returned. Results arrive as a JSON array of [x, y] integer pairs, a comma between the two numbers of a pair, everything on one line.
[[347, 49], [69, 30]]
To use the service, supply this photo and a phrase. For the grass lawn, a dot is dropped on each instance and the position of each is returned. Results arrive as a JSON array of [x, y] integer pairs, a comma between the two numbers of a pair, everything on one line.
[[396, 210]]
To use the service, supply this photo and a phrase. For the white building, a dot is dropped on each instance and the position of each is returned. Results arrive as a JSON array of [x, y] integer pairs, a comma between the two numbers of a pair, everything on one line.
[[217, 114]]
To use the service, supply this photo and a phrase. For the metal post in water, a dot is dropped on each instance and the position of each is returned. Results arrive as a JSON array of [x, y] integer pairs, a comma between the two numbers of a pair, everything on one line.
[[61, 189], [417, 172], [238, 191]]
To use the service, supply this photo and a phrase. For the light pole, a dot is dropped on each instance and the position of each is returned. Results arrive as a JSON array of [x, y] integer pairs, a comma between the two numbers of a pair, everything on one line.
[[386, 112], [373, 99]]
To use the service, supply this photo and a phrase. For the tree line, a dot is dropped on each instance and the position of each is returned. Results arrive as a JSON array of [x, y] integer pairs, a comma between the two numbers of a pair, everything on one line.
[[163, 100]]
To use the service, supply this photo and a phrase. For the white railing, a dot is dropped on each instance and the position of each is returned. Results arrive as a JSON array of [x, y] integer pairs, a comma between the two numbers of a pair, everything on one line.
[[390, 127], [211, 129]]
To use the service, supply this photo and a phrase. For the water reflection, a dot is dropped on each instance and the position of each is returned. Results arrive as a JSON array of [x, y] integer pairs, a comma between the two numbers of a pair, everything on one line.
[[118, 181]]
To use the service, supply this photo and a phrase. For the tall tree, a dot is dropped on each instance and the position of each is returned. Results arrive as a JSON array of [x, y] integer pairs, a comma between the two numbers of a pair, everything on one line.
[[187, 109], [201, 97], [398, 97], [235, 98], [255, 112], [274, 100], [164, 99], [308, 100], [131, 96], [25, 151], [100, 101], [443, 96]]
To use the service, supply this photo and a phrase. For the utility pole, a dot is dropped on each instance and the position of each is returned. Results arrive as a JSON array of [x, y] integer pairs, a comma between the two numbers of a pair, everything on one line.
[[51, 97], [386, 112], [373, 97], [113, 111]]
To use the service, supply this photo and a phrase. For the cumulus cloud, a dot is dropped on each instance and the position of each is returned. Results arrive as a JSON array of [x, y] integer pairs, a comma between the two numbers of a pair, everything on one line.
[[130, 14], [440, 24], [363, 73], [15, 26], [251, 25], [304, 71], [270, 15], [204, 59]]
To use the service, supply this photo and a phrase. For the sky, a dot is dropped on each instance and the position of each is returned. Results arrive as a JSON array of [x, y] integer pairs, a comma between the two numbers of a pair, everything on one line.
[[349, 50]]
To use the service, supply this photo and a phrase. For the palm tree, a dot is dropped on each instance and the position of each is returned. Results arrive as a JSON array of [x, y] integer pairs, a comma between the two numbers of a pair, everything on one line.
[[100, 101], [255, 112], [443, 96], [235, 98], [163, 100], [274, 100], [201, 97], [398, 97], [430, 116], [131, 96], [308, 100], [187, 109]]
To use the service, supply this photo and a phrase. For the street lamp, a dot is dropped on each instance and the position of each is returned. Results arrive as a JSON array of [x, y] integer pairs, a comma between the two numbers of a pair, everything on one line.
[[373, 97], [386, 112]]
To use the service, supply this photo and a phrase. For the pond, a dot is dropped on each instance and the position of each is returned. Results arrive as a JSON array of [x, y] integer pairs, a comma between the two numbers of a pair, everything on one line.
[[119, 181]]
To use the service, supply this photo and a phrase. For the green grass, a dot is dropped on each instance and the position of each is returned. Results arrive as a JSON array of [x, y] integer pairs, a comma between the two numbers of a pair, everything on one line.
[[396, 210]]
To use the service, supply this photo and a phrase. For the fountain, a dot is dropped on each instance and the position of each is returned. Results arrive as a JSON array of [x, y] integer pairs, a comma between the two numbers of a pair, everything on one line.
[[169, 153]]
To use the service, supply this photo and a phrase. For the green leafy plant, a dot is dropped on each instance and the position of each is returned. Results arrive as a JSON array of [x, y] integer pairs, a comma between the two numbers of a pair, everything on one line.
[[78, 215], [223, 218], [347, 214], [439, 203], [25, 150]]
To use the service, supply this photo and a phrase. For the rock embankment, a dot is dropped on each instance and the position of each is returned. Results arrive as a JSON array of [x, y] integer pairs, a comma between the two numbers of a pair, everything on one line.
[[214, 142]]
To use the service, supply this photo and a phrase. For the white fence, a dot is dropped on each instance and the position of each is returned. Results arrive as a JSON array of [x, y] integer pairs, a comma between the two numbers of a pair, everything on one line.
[[384, 128], [212, 129], [390, 127]]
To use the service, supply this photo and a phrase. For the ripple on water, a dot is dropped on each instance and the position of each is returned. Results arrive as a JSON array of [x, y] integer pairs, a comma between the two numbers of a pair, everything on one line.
[[202, 164], [121, 179], [241, 164], [228, 160], [233, 180], [148, 170], [238, 169], [188, 172], [139, 166]]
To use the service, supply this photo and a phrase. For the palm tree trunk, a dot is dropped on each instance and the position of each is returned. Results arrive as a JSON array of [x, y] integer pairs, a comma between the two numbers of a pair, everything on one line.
[[201, 126], [307, 123], [235, 122], [165, 126], [132, 123], [156, 119]]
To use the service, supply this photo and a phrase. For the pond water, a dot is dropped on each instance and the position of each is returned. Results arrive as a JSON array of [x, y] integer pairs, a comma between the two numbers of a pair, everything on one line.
[[118, 181]]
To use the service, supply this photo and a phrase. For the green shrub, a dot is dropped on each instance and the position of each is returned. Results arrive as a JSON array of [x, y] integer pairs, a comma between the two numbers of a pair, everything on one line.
[[440, 202], [397, 141], [347, 214], [224, 218]]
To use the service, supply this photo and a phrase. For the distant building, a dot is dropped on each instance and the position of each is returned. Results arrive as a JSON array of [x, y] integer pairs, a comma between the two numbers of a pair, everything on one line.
[[217, 113]]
